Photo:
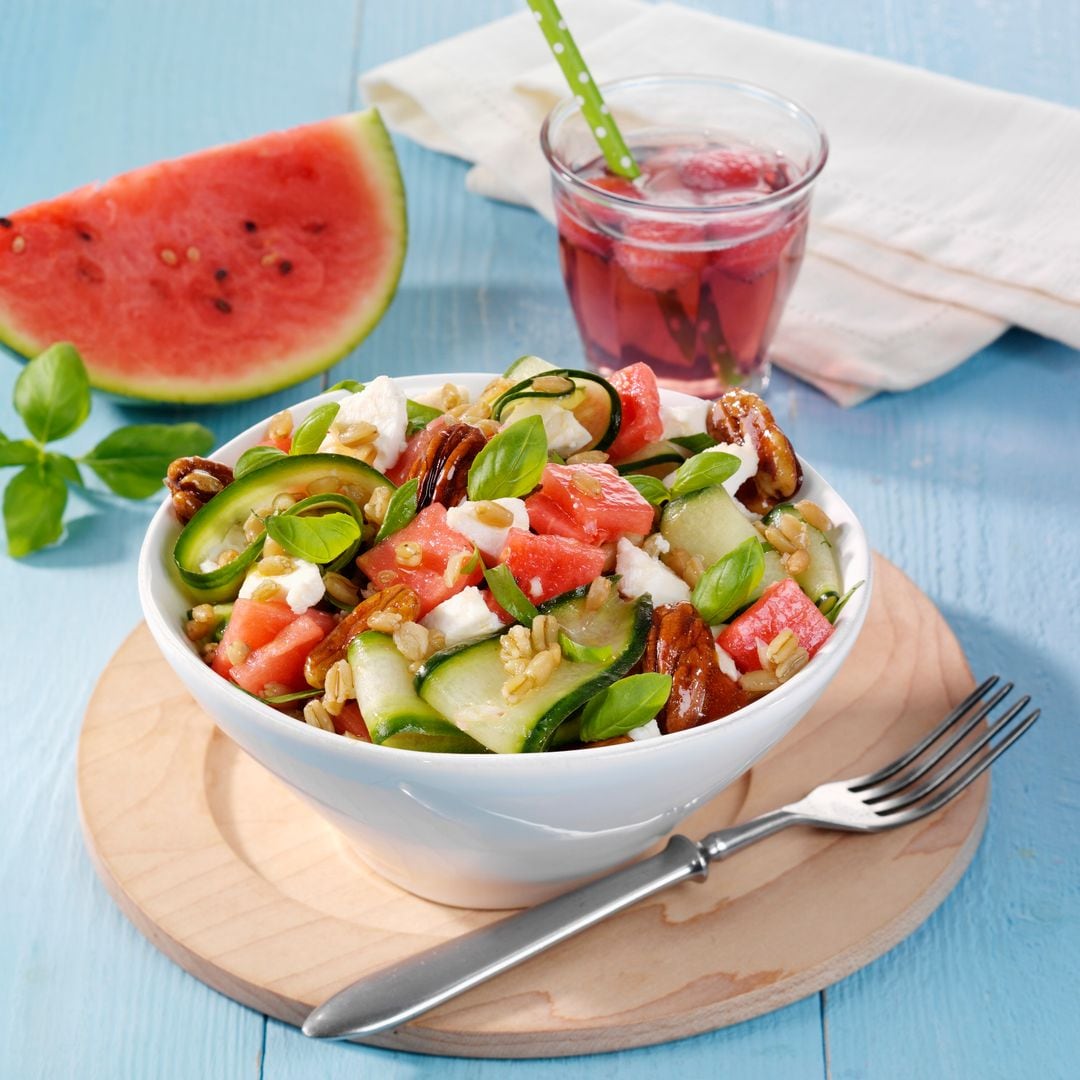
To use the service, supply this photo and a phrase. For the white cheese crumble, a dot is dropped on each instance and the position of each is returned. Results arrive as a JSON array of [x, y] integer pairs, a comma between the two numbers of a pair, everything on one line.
[[651, 730], [640, 573], [302, 585], [463, 616], [490, 539], [536, 588], [726, 663], [681, 420], [564, 434], [382, 404], [748, 465]]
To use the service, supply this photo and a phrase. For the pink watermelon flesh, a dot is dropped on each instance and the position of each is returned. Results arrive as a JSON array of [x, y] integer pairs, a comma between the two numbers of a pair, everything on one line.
[[229, 272]]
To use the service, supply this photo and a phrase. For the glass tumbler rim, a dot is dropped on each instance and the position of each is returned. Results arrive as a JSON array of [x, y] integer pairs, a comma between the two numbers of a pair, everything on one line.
[[563, 110]]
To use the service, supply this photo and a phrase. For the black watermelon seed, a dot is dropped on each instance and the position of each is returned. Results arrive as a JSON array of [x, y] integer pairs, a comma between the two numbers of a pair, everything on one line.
[[250, 226], [223, 306], [84, 235], [6, 223], [220, 274], [284, 267], [314, 226]]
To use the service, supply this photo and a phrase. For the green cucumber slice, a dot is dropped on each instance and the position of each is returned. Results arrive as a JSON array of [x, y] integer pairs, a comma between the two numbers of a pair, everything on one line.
[[774, 572], [465, 684], [227, 511], [524, 366], [706, 523], [821, 580], [394, 715], [598, 408], [656, 459]]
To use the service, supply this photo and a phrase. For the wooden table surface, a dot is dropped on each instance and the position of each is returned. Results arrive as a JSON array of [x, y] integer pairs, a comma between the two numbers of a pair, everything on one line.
[[969, 484]]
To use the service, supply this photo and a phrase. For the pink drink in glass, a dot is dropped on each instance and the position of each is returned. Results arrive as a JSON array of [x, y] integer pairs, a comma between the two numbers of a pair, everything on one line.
[[687, 268]]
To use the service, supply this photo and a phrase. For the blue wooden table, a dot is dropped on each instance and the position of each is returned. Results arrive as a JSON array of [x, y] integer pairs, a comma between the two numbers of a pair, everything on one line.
[[970, 484]]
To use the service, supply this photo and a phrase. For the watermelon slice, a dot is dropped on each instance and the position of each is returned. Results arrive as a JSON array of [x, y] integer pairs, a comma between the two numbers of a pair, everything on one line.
[[224, 274]]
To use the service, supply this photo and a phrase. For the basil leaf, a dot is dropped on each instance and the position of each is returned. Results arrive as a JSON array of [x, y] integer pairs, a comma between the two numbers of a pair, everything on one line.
[[255, 457], [52, 393], [727, 584], [650, 488], [65, 468], [694, 443], [34, 504], [624, 705], [702, 471], [351, 385], [316, 539], [556, 458], [508, 594], [835, 609], [132, 460], [400, 510], [512, 462], [23, 452], [420, 416], [583, 654], [308, 437], [296, 695]]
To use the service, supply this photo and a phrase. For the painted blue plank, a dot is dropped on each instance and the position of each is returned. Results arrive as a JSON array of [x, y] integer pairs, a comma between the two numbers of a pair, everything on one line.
[[87, 91]]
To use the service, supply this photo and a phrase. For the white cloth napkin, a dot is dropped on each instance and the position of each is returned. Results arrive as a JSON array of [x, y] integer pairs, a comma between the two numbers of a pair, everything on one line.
[[945, 213]]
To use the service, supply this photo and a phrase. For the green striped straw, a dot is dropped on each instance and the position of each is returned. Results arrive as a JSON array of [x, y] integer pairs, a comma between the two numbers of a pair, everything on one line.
[[583, 86]]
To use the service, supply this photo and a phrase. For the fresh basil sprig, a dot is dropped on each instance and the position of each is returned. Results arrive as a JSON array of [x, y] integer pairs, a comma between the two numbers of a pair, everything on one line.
[[728, 584], [649, 488], [419, 416], [400, 510], [316, 539], [52, 395], [583, 654], [624, 705], [512, 463], [255, 457], [694, 443], [508, 594], [842, 602], [308, 437], [351, 385], [704, 470]]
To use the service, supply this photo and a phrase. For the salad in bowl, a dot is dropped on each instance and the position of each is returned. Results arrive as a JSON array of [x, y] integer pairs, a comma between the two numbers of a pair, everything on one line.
[[558, 562], [505, 634]]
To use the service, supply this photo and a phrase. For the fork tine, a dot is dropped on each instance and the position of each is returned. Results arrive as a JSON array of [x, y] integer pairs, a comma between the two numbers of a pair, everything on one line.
[[905, 779], [913, 813], [909, 795], [860, 782]]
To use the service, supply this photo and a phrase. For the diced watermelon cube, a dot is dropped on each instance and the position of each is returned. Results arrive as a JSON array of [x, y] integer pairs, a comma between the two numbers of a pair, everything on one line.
[[548, 518], [547, 566], [653, 255], [640, 400], [783, 605], [349, 720], [603, 515], [720, 168], [254, 623], [438, 545], [281, 661]]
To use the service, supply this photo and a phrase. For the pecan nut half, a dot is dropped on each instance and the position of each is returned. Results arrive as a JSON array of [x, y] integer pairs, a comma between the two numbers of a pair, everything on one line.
[[397, 599], [194, 481], [443, 462], [742, 417], [680, 644]]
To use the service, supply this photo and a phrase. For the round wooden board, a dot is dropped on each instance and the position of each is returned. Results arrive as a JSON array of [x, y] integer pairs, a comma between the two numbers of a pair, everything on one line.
[[231, 876]]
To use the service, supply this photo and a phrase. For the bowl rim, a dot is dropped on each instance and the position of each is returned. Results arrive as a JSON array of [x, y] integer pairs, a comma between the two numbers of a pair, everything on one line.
[[155, 560]]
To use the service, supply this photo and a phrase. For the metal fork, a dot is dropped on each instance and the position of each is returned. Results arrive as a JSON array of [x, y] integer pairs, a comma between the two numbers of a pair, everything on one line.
[[921, 780]]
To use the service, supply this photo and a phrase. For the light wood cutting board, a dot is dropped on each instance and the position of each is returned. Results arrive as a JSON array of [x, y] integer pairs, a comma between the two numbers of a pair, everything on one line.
[[231, 876]]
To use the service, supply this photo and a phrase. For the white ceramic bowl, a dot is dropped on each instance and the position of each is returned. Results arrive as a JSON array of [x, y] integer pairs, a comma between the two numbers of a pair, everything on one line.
[[492, 831]]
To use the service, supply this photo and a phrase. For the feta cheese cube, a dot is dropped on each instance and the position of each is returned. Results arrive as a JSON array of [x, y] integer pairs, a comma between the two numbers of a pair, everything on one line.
[[681, 420], [640, 573], [490, 539], [463, 616], [564, 434], [748, 467], [651, 730], [303, 585], [381, 404]]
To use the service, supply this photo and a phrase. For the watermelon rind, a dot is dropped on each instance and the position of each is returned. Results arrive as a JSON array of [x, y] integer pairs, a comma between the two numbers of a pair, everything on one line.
[[369, 137]]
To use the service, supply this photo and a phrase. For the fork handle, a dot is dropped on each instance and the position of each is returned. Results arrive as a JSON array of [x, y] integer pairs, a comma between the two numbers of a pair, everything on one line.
[[397, 994]]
